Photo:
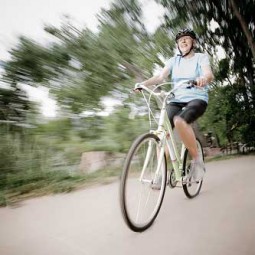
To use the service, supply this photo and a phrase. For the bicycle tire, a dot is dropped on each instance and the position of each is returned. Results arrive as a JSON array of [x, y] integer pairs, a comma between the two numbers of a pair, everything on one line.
[[172, 179], [129, 198], [196, 186]]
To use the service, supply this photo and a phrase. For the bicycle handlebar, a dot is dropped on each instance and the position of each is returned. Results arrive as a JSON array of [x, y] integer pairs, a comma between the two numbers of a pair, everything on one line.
[[192, 84]]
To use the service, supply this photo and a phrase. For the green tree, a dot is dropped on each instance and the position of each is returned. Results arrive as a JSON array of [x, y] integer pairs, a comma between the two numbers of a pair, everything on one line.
[[32, 63]]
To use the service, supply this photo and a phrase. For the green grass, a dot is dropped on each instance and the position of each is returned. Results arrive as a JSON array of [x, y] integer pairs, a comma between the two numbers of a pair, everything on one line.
[[225, 157], [221, 157], [17, 187]]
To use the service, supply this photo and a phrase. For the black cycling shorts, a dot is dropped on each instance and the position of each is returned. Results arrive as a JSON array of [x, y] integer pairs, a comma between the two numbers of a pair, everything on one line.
[[188, 111]]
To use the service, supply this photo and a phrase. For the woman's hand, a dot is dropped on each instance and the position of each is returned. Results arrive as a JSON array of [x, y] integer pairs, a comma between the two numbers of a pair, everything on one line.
[[201, 81], [137, 87]]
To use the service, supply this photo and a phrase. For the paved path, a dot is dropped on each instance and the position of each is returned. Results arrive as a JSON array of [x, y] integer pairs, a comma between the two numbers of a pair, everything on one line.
[[221, 221]]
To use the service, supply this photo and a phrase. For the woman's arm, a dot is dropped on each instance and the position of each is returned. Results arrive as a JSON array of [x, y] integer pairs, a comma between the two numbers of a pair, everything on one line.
[[207, 76], [157, 79]]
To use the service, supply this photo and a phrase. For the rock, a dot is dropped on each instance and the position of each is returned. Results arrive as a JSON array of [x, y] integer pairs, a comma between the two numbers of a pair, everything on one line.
[[93, 161]]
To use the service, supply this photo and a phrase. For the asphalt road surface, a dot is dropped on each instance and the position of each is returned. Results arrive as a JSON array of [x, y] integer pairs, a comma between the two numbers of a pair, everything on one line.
[[220, 221]]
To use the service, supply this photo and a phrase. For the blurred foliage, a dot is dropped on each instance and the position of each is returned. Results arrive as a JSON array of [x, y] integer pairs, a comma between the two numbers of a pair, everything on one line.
[[32, 63], [120, 130], [81, 67], [14, 106]]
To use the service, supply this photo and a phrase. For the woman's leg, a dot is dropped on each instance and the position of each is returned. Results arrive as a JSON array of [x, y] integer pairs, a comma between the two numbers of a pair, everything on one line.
[[172, 109], [192, 111], [187, 135]]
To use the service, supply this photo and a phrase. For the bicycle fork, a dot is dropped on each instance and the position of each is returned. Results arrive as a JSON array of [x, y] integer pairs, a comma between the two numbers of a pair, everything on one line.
[[160, 154]]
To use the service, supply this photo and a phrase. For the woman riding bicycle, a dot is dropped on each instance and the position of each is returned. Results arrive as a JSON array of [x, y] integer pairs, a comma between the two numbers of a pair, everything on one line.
[[187, 104]]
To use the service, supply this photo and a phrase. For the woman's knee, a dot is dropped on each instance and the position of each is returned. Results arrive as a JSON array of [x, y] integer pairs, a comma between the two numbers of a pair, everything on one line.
[[179, 121]]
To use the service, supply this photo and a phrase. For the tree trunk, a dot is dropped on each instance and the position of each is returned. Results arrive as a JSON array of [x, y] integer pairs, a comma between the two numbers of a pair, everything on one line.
[[244, 26], [198, 134], [250, 75], [139, 75]]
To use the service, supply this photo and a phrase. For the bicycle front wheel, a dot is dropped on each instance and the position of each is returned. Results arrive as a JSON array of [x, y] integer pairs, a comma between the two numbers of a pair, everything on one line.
[[143, 182], [190, 188]]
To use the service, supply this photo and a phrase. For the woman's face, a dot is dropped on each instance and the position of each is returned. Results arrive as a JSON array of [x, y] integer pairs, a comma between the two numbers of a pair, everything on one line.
[[185, 43]]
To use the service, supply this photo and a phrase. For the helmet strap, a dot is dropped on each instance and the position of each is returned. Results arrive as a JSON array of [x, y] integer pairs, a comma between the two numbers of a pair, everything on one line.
[[184, 55]]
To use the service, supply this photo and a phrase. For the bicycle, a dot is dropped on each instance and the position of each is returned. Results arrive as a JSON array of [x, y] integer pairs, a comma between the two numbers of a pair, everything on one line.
[[145, 167]]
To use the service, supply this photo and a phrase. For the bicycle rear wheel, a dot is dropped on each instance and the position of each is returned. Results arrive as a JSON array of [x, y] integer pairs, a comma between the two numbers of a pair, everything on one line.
[[142, 187], [191, 189]]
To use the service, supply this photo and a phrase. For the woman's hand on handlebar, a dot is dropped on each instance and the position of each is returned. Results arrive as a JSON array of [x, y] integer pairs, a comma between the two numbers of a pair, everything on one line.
[[201, 81], [137, 87]]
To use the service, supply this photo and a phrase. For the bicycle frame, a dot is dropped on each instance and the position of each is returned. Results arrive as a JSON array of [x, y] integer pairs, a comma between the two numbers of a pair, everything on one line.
[[162, 130]]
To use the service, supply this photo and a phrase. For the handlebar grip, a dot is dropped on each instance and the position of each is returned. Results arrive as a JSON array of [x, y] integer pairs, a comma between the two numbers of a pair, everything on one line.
[[137, 87], [192, 82]]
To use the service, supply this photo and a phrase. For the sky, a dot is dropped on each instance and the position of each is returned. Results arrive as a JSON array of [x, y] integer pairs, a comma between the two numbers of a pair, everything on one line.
[[28, 18]]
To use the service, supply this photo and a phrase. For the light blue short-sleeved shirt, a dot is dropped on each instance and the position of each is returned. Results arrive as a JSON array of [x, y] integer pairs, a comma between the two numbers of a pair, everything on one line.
[[182, 69]]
